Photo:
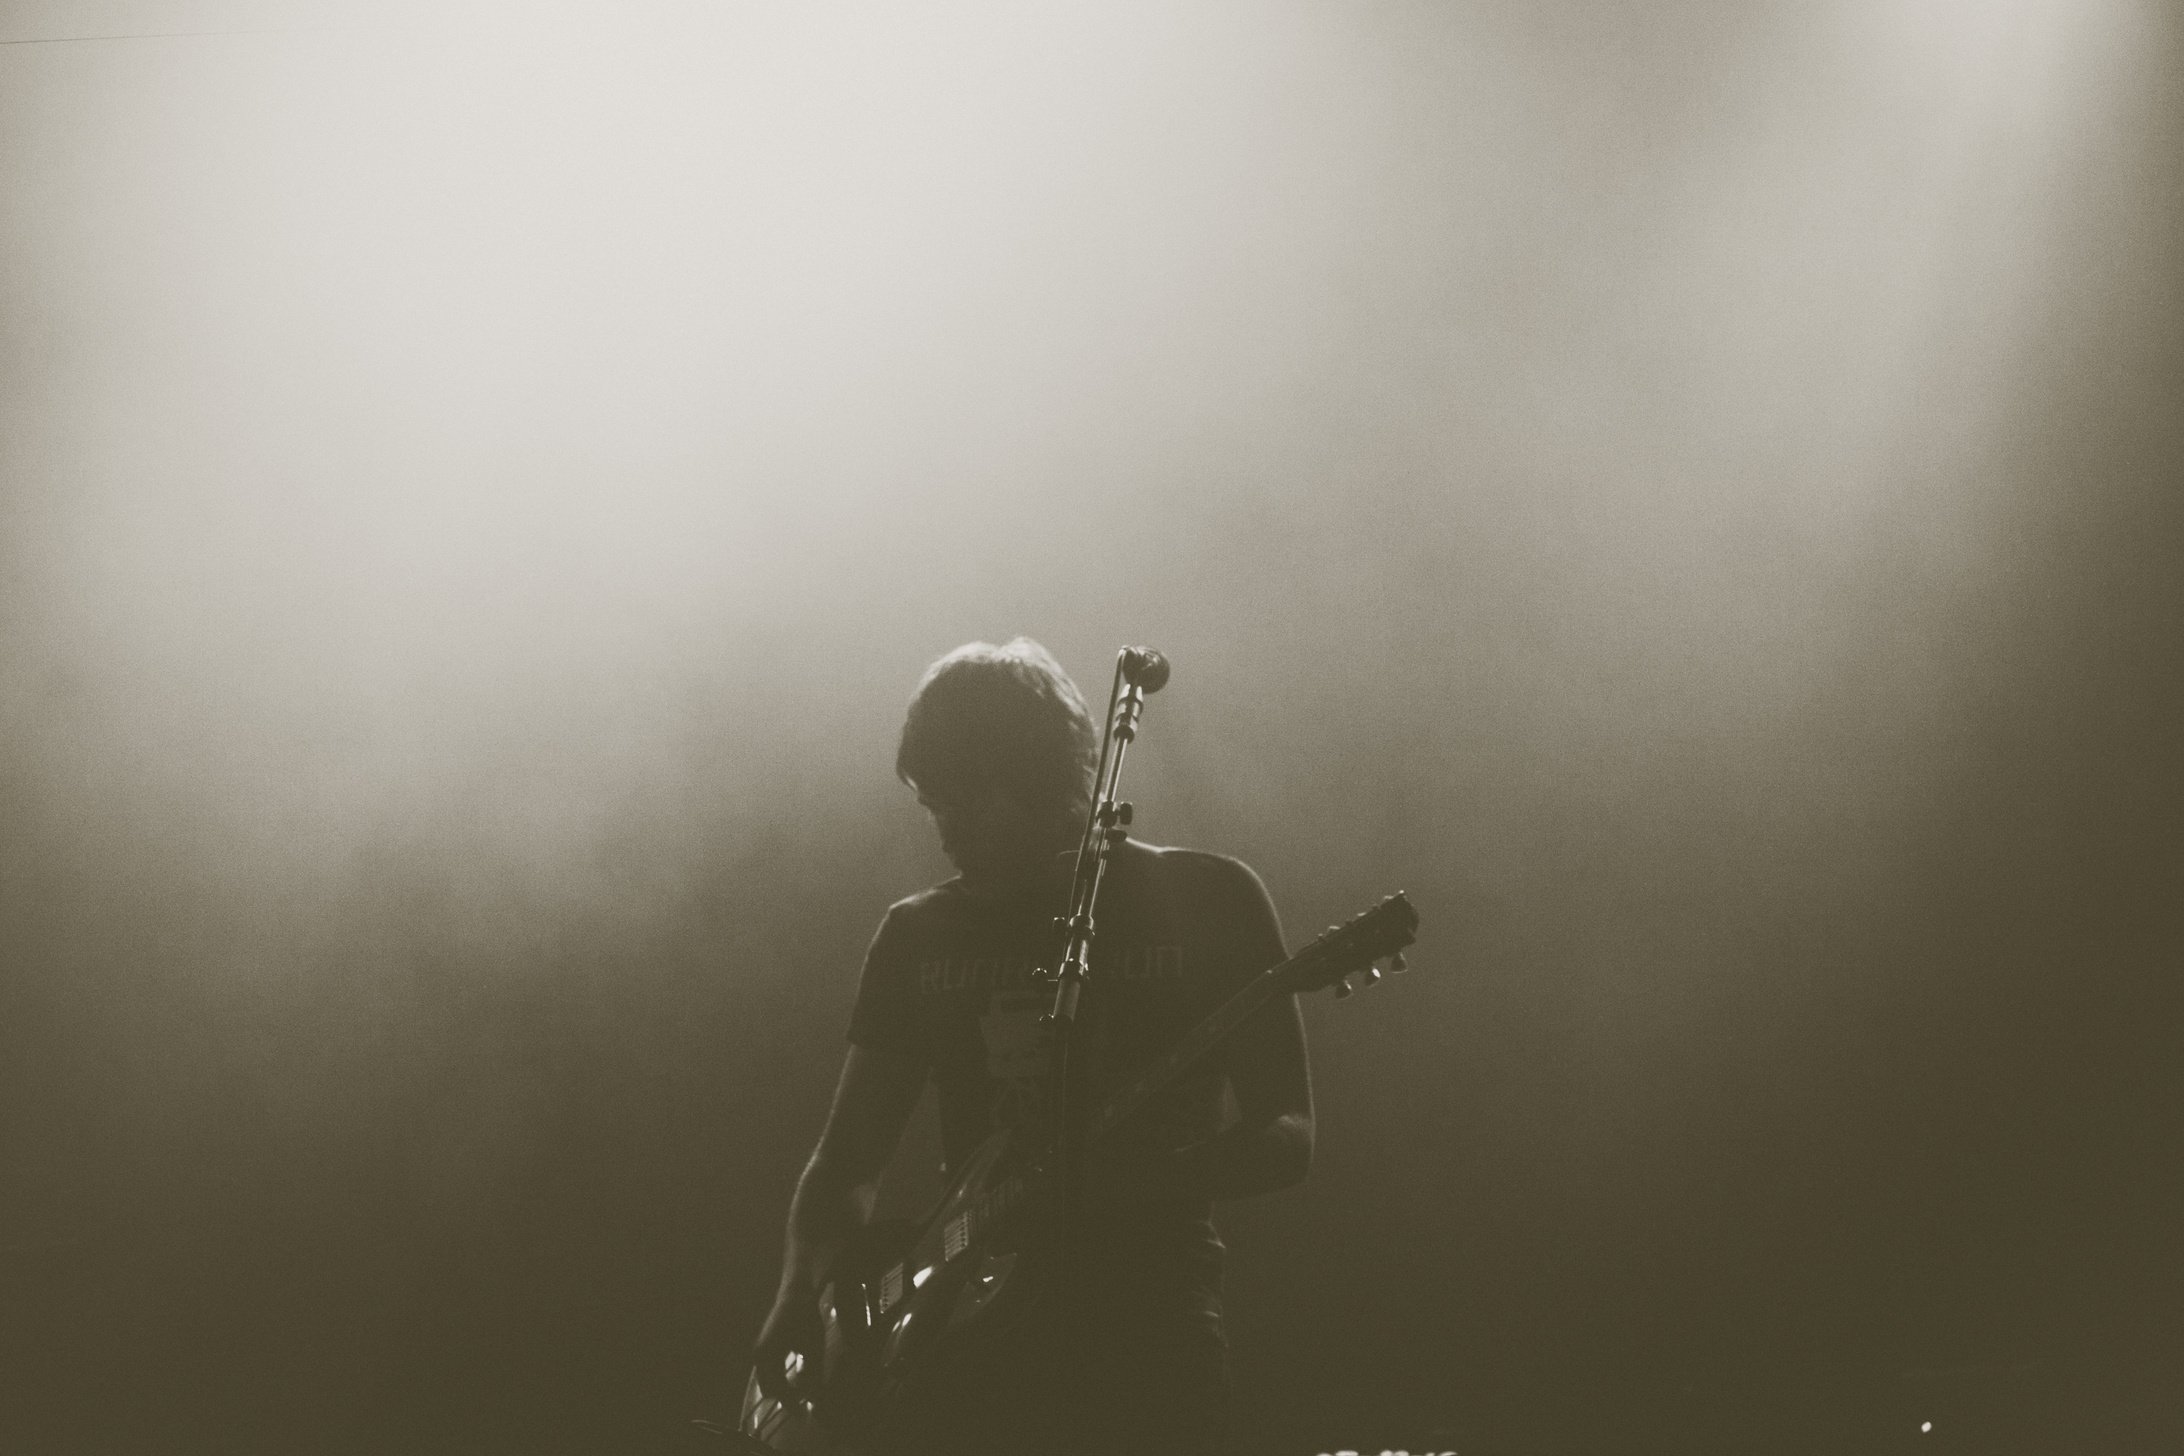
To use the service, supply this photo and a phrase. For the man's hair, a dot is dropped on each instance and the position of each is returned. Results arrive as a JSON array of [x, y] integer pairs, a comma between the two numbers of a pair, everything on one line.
[[1008, 716]]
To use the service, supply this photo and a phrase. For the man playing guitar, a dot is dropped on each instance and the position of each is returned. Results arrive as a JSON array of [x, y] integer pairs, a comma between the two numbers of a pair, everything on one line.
[[1128, 1356]]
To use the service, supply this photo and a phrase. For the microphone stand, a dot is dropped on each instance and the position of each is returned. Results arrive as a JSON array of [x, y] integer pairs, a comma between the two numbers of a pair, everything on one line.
[[1138, 671]]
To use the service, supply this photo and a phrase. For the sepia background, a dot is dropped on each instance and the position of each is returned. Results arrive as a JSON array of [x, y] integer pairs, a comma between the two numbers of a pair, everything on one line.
[[1693, 493]]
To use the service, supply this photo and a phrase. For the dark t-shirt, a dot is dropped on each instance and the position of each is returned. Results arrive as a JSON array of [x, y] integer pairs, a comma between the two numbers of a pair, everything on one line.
[[949, 980]]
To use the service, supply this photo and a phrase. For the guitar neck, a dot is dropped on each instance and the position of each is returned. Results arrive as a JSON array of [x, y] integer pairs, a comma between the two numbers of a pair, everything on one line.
[[1201, 1039]]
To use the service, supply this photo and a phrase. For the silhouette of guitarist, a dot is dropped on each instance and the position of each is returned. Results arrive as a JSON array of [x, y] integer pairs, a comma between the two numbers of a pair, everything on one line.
[[1130, 1357]]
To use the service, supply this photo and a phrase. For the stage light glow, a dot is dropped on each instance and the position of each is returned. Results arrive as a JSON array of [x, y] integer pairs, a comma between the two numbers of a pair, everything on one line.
[[422, 428]]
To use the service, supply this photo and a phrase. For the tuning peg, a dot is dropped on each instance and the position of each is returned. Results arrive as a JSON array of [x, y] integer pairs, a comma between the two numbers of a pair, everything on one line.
[[1397, 964], [1372, 974], [1343, 988]]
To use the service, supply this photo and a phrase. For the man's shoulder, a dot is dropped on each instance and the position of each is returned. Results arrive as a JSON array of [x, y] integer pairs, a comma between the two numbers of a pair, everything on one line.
[[934, 903], [927, 900], [1203, 874]]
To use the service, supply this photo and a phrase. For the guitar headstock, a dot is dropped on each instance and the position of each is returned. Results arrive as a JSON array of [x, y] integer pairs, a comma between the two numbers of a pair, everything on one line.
[[1353, 946]]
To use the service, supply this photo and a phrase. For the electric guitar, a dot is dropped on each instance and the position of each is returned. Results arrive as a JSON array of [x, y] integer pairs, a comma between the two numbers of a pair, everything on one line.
[[906, 1293]]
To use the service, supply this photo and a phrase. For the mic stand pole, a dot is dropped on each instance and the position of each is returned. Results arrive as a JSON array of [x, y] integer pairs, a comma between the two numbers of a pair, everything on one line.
[[1106, 827]]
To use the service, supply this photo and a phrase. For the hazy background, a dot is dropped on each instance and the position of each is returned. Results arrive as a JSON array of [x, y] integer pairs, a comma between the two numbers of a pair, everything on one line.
[[1691, 492]]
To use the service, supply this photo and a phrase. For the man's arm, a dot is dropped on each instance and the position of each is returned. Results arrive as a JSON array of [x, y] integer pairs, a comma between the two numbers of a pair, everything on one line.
[[1270, 1144], [873, 1101]]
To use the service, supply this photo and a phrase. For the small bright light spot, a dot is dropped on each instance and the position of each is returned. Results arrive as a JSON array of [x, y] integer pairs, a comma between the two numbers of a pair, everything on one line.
[[917, 1280], [1926, 1425]]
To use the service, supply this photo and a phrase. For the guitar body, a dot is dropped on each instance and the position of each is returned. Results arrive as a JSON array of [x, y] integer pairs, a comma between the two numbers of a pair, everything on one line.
[[909, 1299], [829, 1393]]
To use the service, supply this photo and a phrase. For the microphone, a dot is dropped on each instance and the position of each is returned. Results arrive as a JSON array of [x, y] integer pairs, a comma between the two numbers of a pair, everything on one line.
[[1144, 667]]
